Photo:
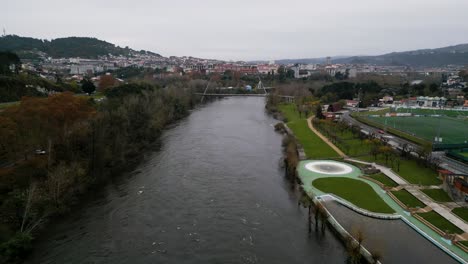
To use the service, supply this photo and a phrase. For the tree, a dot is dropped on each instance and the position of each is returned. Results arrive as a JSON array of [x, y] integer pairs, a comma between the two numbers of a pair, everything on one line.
[[318, 112], [7, 60], [323, 214], [307, 202], [107, 81], [88, 86], [425, 153], [386, 151]]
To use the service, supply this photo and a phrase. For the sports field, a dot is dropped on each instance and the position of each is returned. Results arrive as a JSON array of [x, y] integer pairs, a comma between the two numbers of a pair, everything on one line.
[[420, 111], [451, 130]]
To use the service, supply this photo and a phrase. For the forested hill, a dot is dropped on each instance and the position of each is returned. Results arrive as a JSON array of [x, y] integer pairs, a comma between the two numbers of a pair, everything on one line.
[[452, 55], [82, 47]]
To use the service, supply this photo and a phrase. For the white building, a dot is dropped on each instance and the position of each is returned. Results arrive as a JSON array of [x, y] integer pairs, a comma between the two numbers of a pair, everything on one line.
[[425, 101]]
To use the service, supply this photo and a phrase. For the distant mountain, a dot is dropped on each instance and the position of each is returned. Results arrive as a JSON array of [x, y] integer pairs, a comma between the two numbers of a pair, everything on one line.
[[82, 47], [452, 55], [300, 61]]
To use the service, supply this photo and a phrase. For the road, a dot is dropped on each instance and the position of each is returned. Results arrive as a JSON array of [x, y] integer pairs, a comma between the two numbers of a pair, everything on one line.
[[400, 141]]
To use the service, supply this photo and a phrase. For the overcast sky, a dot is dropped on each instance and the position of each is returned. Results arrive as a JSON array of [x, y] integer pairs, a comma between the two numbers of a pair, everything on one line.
[[246, 29]]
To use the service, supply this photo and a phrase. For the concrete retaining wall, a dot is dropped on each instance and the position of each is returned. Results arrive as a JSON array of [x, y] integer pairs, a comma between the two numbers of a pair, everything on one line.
[[300, 149], [345, 235]]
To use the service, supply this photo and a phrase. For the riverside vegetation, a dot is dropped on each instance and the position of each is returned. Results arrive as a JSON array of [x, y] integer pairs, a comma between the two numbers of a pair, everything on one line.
[[54, 149]]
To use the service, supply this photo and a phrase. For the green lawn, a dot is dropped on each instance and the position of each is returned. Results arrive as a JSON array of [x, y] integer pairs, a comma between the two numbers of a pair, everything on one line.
[[411, 171], [390, 130], [382, 178], [452, 130], [5, 105], [408, 199], [462, 212], [348, 143], [357, 192], [314, 146], [437, 195], [440, 222], [465, 243]]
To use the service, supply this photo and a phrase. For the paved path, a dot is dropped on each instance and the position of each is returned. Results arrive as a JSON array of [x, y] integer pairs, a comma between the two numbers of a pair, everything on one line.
[[387, 171], [439, 208], [444, 211], [325, 139]]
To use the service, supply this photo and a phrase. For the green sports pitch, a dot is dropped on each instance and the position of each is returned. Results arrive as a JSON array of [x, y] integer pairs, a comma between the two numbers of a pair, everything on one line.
[[451, 130], [445, 112]]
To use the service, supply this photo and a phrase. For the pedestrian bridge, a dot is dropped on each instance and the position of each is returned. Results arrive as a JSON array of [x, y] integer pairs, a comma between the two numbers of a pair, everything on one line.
[[287, 98]]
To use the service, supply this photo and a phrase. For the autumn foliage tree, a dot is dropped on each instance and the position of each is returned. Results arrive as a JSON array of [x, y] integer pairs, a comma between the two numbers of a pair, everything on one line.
[[106, 82]]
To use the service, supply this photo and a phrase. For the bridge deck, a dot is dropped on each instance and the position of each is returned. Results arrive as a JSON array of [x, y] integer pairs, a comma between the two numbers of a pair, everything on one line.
[[257, 95]]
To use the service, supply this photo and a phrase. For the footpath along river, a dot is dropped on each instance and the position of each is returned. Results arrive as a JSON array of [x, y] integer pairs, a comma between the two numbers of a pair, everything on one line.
[[213, 193]]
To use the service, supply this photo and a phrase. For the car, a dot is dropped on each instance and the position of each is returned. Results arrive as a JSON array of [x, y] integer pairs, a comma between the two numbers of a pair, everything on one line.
[[40, 152], [380, 131]]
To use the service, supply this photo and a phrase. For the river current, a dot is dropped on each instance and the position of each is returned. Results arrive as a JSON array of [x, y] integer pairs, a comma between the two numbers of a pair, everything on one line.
[[213, 193]]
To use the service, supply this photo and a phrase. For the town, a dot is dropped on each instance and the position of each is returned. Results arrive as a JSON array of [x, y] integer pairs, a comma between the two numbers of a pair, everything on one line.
[[234, 132]]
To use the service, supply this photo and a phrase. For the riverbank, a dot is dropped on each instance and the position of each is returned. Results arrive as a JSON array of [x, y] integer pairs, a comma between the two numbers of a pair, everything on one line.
[[413, 222], [212, 180], [84, 147]]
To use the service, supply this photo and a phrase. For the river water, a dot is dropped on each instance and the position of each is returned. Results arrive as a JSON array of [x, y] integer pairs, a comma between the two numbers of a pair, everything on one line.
[[213, 193]]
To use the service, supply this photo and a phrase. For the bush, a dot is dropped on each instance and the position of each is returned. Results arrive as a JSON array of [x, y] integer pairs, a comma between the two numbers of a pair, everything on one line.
[[15, 249]]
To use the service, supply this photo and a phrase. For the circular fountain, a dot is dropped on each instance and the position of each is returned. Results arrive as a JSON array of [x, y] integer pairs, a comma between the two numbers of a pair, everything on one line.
[[328, 167]]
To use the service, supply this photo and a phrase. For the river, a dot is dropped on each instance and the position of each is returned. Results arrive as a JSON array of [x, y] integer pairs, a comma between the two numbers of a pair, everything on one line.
[[213, 193]]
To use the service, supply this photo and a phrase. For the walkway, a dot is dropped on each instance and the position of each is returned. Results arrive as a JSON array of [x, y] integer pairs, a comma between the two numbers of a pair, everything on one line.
[[325, 139], [439, 208], [387, 171], [413, 189], [307, 177]]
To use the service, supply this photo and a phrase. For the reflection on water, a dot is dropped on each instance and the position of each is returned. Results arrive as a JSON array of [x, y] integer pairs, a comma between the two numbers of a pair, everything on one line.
[[394, 239]]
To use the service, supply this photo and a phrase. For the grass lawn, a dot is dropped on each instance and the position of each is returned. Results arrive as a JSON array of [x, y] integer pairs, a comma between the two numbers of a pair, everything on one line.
[[428, 127], [440, 222], [462, 212], [357, 192], [438, 195], [5, 105], [314, 146], [410, 170], [348, 143], [382, 178], [408, 199], [465, 243]]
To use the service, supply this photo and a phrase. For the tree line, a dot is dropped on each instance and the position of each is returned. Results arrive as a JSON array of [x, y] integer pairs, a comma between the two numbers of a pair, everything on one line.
[[53, 149]]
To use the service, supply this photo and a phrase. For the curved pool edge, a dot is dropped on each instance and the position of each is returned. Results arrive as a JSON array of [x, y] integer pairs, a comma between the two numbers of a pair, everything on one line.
[[307, 178]]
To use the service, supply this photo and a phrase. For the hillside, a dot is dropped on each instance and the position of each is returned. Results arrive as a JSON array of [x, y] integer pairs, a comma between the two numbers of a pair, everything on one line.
[[82, 47], [452, 55]]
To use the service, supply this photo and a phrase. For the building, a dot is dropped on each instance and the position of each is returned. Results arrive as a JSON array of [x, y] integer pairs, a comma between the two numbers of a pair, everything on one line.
[[352, 103], [425, 101], [267, 68]]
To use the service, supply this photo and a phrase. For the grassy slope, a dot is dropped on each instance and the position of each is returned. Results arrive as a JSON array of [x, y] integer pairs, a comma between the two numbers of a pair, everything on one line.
[[357, 192], [462, 212], [411, 171], [314, 147], [440, 222], [408, 199], [384, 179], [437, 195], [350, 145]]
